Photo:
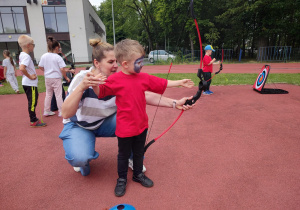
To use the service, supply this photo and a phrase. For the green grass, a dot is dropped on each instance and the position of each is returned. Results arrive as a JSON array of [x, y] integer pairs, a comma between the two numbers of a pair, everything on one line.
[[6, 89], [238, 79], [220, 79]]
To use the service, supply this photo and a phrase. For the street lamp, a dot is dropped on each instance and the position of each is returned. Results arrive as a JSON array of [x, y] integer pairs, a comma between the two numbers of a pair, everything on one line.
[[112, 9]]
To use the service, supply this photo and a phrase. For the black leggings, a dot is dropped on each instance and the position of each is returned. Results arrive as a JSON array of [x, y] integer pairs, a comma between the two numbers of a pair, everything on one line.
[[135, 144]]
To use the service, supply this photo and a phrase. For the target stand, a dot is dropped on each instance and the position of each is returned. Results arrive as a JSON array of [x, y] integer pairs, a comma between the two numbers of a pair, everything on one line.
[[261, 80]]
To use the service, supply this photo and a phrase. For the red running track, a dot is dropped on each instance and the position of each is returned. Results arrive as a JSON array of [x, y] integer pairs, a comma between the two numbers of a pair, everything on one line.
[[228, 68], [237, 149]]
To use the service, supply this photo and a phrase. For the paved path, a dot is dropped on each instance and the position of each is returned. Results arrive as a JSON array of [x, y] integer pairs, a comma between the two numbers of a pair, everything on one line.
[[237, 149], [228, 68]]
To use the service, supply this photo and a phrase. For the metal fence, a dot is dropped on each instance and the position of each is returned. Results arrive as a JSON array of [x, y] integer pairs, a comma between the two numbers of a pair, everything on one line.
[[274, 53]]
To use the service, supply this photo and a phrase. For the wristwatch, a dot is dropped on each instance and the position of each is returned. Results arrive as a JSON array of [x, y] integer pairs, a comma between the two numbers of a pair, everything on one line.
[[174, 104]]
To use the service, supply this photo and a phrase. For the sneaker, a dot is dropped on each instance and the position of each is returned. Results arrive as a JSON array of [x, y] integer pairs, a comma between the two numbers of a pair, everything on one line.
[[17, 91], [130, 165], [141, 178], [76, 169], [37, 124], [59, 114], [210, 92], [120, 187], [205, 92], [47, 114]]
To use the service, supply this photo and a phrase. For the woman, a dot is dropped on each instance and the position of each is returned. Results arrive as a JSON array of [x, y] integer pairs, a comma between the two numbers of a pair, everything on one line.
[[10, 71], [87, 117], [53, 66]]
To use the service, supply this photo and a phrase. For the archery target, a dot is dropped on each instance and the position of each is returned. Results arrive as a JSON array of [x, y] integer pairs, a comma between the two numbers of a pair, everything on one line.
[[262, 78]]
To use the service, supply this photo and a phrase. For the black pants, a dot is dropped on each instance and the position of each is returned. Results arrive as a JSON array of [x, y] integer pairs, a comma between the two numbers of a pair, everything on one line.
[[135, 144], [53, 100], [207, 76], [32, 97]]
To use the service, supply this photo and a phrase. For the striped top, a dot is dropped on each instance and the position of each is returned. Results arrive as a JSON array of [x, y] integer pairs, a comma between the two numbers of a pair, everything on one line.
[[91, 111]]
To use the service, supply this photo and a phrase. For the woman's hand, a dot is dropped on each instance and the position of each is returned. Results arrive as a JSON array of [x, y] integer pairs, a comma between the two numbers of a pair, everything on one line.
[[180, 104], [90, 80], [187, 83]]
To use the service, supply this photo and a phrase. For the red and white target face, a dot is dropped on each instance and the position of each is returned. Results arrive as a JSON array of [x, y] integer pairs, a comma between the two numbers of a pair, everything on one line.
[[261, 79]]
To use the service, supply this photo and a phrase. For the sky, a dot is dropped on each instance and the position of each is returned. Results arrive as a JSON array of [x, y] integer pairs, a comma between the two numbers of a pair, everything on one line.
[[96, 2]]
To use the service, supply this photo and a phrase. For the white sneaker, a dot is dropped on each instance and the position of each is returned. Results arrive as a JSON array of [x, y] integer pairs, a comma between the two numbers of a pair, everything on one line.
[[47, 114], [76, 169], [130, 165], [59, 114]]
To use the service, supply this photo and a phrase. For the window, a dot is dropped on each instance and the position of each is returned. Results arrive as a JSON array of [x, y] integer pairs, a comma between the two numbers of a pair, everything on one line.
[[66, 51], [56, 19], [12, 20], [13, 48]]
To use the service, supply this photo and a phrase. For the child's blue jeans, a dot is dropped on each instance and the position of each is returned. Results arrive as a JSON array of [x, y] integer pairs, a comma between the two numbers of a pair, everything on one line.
[[79, 143]]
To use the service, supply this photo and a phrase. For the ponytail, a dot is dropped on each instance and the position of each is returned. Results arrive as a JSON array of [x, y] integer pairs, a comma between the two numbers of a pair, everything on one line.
[[52, 43], [99, 48], [7, 54]]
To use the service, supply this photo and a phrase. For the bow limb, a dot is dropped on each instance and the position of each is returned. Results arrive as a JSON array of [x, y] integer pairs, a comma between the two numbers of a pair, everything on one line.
[[153, 140], [202, 84]]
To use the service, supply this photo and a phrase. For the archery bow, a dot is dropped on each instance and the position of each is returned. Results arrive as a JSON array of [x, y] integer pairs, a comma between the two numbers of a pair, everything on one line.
[[202, 84]]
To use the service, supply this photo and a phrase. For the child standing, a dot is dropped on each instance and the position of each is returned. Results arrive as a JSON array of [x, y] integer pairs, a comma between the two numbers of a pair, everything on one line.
[[208, 68], [29, 80], [10, 71], [129, 86], [53, 67]]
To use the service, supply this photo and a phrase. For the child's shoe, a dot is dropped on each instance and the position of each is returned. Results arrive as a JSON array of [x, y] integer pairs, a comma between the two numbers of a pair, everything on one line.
[[120, 187], [76, 169], [141, 178], [37, 124], [130, 165], [47, 114]]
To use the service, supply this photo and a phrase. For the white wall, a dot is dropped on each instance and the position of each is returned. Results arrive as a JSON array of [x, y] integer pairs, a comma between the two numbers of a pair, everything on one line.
[[89, 28], [37, 28], [81, 29], [77, 30], [12, 3]]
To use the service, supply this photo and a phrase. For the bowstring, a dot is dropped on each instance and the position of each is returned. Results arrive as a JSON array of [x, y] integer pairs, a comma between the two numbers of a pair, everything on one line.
[[157, 106]]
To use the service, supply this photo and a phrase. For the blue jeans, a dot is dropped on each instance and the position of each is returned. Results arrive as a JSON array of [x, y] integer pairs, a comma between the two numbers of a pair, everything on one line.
[[79, 143]]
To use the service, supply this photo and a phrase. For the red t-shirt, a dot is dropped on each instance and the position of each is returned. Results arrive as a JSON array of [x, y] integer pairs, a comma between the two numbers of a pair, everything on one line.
[[206, 60], [129, 90]]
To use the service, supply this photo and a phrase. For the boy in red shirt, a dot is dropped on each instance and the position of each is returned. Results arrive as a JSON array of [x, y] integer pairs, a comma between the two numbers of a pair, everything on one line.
[[208, 68], [129, 86]]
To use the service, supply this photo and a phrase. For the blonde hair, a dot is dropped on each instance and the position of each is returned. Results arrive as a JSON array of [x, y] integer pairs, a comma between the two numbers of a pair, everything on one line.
[[99, 48], [126, 48], [24, 40]]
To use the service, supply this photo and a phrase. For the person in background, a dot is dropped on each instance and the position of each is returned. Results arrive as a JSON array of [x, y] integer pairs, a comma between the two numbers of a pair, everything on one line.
[[29, 78], [208, 68], [10, 71], [53, 66]]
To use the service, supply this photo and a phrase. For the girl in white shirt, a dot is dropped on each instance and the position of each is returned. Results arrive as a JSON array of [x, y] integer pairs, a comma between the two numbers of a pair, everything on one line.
[[10, 71], [53, 66]]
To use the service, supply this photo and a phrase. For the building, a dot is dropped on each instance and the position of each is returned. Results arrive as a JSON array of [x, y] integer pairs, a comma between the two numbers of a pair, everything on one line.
[[71, 22]]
